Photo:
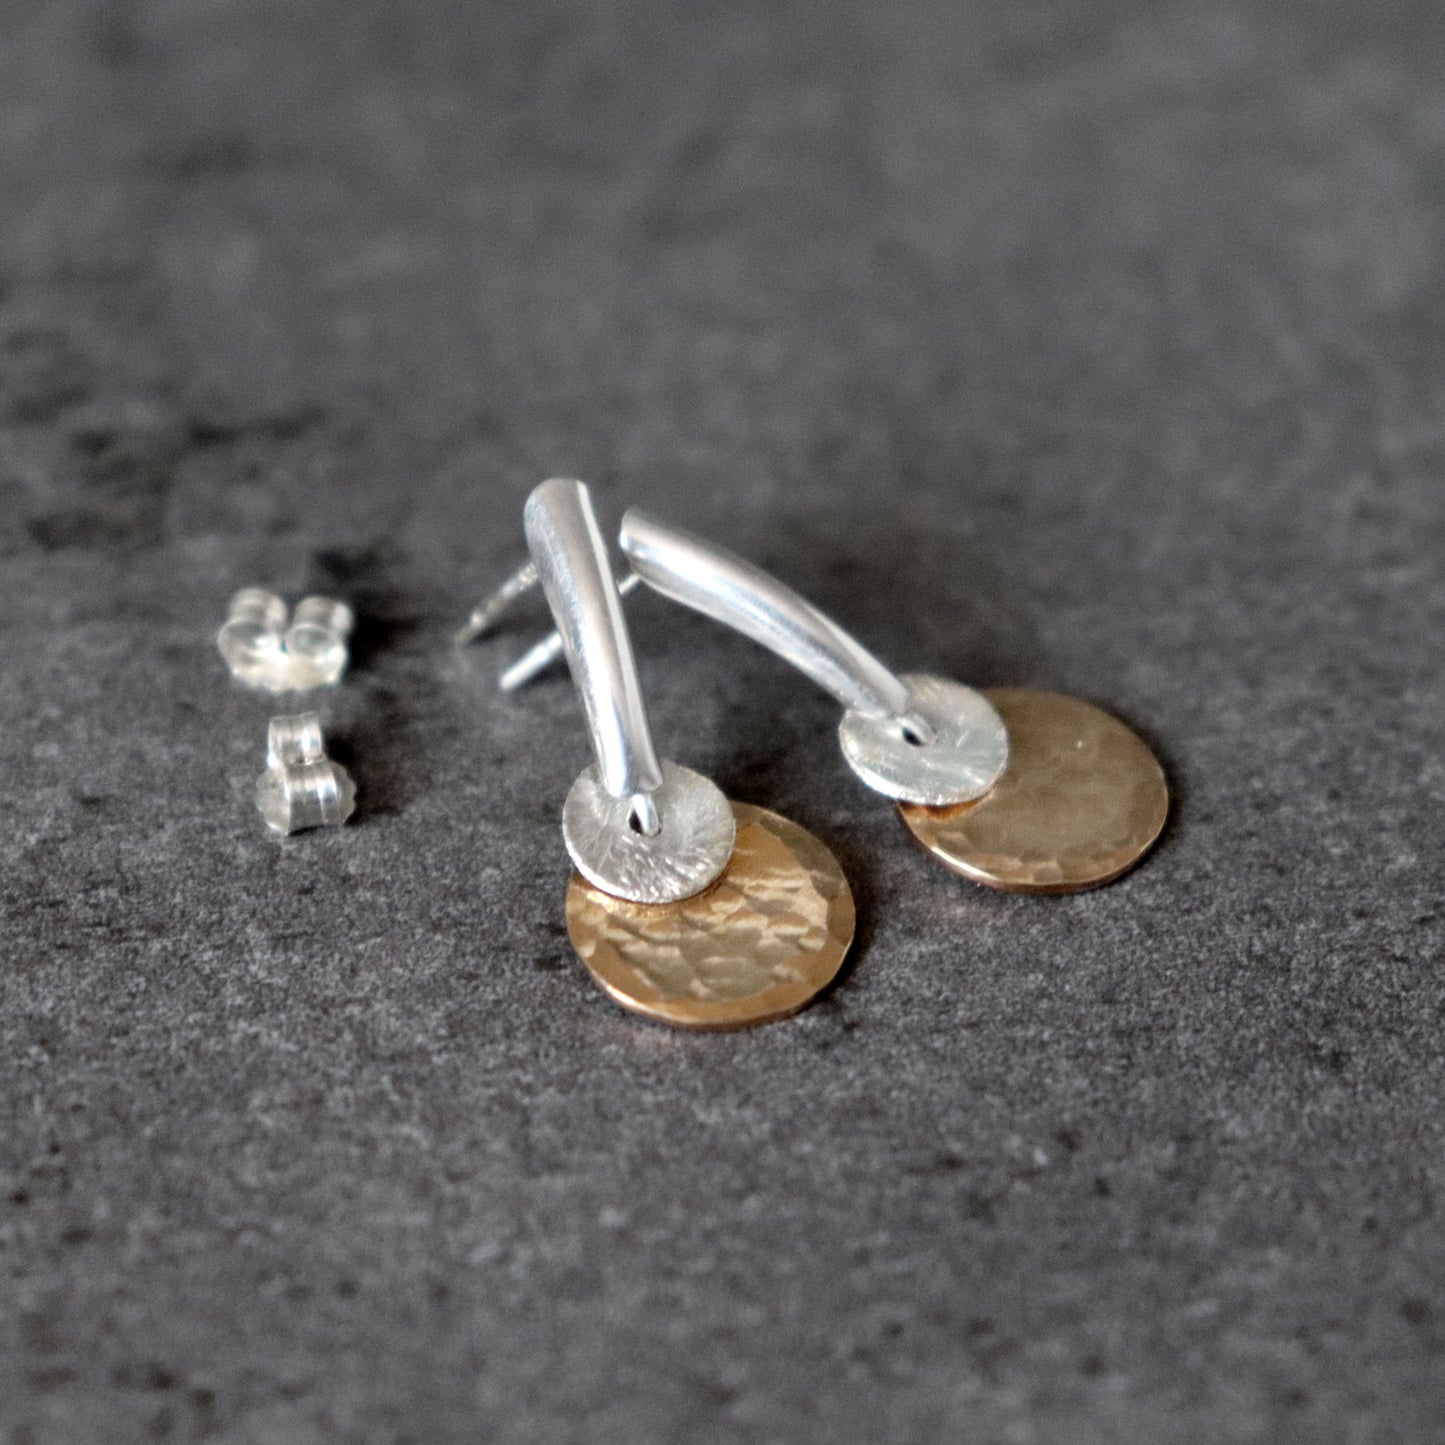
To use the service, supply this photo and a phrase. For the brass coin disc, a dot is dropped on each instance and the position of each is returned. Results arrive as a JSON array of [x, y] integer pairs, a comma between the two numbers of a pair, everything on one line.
[[758, 945], [1081, 802]]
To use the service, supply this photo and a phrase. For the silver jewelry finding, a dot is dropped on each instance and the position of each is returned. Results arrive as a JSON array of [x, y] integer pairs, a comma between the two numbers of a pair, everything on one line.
[[485, 617], [302, 787], [550, 649], [636, 827]]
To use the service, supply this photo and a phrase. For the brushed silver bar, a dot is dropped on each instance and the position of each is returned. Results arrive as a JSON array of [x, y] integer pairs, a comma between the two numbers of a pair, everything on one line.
[[708, 579], [576, 575]]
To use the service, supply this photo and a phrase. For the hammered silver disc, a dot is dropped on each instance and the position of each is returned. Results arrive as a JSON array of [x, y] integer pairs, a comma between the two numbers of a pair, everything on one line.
[[961, 764], [688, 854]]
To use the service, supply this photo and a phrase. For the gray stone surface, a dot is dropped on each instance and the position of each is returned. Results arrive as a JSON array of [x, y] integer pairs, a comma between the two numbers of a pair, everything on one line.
[[1083, 344]]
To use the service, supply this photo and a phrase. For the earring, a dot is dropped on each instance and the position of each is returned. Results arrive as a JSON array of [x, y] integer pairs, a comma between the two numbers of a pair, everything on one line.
[[1028, 792], [684, 907], [1023, 791]]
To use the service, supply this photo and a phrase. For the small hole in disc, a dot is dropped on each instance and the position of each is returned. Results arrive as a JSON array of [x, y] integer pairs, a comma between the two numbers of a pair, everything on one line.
[[640, 824], [913, 737], [642, 816]]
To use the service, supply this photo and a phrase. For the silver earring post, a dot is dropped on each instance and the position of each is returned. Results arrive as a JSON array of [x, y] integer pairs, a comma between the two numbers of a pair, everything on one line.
[[637, 827], [486, 617], [707, 579], [549, 651], [915, 738], [571, 563]]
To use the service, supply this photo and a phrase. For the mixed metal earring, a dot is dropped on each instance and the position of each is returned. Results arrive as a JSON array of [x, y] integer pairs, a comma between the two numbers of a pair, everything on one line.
[[1028, 792], [684, 907]]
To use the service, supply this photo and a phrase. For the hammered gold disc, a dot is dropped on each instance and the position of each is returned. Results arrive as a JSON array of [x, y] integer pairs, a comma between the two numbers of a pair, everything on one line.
[[757, 946], [1081, 802]]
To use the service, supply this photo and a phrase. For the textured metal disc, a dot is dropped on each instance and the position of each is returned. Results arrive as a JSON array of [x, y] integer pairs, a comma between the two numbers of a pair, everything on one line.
[[962, 763], [757, 946], [686, 856], [1081, 802]]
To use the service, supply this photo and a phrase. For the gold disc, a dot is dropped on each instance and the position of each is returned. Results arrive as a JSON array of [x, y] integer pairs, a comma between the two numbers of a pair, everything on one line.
[[1081, 802], [757, 946]]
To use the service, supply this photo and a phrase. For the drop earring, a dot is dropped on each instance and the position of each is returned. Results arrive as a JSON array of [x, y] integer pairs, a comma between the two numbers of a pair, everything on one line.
[[1028, 792], [684, 907]]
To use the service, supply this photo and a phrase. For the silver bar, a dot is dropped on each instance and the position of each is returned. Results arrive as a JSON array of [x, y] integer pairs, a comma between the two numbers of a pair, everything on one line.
[[727, 589], [576, 575]]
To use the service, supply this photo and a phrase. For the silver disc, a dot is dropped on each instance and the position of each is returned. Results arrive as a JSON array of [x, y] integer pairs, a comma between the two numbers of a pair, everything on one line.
[[687, 854], [962, 763]]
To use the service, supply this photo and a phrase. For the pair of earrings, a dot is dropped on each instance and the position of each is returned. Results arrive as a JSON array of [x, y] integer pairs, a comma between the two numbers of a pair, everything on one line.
[[707, 914]]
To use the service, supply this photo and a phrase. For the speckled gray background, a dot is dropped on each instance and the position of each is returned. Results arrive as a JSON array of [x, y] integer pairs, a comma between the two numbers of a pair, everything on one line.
[[1081, 343]]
